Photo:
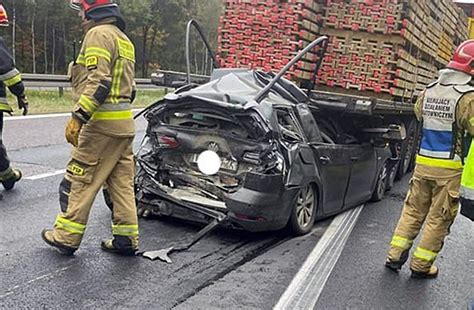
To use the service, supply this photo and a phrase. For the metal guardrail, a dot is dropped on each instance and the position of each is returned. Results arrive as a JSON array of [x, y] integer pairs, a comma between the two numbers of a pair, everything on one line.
[[175, 79], [62, 81]]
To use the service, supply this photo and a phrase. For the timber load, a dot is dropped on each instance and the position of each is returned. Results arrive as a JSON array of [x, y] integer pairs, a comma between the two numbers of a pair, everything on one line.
[[386, 49]]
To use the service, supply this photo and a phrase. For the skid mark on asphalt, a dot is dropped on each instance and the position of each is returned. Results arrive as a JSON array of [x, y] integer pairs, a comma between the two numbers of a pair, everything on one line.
[[45, 276], [254, 252]]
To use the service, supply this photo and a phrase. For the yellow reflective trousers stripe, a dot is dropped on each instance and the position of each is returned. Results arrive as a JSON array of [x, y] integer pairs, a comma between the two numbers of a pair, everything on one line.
[[70, 226], [99, 52], [5, 107], [112, 115], [125, 230], [425, 254], [401, 242], [13, 80], [440, 163]]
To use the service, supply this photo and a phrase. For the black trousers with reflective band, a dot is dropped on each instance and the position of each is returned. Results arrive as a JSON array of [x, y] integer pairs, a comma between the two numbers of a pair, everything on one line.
[[4, 161]]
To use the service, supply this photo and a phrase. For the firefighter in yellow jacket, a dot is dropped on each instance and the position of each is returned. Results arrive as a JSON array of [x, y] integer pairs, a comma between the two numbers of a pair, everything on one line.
[[446, 110], [9, 77], [101, 130]]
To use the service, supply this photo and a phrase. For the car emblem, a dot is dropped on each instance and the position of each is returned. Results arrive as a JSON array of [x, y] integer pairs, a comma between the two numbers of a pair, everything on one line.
[[213, 146]]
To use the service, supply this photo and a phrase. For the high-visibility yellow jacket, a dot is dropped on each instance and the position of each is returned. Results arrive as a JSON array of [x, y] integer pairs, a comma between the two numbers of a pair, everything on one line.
[[102, 79], [467, 185], [9, 77]]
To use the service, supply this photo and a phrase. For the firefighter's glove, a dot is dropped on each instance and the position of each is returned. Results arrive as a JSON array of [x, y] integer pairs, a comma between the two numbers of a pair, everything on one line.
[[23, 104], [73, 128]]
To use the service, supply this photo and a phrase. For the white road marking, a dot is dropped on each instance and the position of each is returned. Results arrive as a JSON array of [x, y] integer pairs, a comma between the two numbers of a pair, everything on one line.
[[45, 276], [309, 282], [41, 116], [45, 175]]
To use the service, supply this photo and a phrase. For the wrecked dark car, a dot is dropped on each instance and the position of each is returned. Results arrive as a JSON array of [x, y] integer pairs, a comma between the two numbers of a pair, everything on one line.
[[282, 161]]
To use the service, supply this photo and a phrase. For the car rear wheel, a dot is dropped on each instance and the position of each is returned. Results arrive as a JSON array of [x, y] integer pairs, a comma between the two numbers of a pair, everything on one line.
[[303, 212]]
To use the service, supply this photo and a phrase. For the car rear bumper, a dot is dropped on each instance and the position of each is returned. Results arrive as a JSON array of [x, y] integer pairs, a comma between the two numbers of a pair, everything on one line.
[[262, 204], [257, 211]]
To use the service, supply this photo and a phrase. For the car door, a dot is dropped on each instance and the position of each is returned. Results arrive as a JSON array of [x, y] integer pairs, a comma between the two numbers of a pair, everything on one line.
[[300, 156], [334, 169], [363, 160]]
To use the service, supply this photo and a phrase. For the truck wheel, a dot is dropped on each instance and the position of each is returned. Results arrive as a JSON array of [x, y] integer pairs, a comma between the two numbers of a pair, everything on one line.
[[303, 212], [380, 186], [407, 151], [392, 174]]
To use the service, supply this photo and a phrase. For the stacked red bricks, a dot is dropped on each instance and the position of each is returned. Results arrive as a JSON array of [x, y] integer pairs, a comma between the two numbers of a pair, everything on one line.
[[389, 49], [266, 34]]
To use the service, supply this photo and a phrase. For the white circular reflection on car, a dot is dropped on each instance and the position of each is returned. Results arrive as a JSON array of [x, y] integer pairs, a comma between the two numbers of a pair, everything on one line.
[[209, 162]]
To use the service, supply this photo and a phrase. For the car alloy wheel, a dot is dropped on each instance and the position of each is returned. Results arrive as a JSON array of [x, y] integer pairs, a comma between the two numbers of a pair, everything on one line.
[[304, 211]]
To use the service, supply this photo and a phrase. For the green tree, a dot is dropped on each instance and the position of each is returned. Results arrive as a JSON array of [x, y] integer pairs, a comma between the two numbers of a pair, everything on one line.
[[44, 31]]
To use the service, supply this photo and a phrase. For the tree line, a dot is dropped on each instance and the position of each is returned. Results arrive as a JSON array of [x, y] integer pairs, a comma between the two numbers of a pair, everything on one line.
[[44, 35]]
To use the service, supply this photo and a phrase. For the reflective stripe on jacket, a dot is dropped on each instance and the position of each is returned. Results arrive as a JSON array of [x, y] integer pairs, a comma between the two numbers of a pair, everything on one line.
[[103, 80]]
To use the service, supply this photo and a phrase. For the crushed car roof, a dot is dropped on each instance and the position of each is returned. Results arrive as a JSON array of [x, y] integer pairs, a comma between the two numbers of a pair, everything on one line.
[[233, 86]]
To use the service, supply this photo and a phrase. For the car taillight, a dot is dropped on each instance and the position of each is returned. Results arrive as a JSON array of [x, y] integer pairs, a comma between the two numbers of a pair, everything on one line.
[[167, 142]]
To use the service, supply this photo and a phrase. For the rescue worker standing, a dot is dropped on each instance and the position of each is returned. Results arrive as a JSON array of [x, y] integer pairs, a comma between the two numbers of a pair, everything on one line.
[[9, 77], [101, 130], [445, 110]]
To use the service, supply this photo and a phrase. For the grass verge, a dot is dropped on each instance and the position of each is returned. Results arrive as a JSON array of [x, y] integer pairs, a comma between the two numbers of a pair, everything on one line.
[[48, 101]]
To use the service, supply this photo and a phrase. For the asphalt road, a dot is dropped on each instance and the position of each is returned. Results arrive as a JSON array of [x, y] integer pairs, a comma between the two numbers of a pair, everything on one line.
[[227, 270]]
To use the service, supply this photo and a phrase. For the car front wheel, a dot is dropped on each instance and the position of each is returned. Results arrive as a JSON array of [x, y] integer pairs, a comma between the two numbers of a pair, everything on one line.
[[303, 212]]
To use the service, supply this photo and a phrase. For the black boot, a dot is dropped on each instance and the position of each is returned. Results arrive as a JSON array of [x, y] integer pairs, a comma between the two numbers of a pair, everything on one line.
[[119, 245], [47, 236], [397, 265], [431, 274], [10, 180]]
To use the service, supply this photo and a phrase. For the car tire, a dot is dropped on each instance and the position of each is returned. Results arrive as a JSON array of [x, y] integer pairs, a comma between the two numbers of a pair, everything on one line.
[[381, 185], [303, 212]]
